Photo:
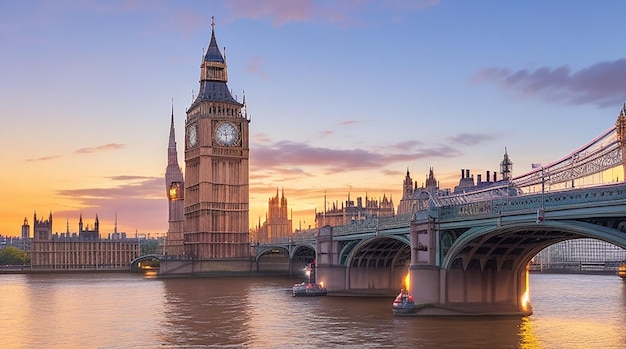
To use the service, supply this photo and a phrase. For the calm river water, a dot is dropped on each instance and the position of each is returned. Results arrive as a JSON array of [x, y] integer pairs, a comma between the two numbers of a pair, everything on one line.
[[130, 311]]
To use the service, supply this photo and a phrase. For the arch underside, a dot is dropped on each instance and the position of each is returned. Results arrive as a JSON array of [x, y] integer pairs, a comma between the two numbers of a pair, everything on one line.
[[381, 253], [513, 247], [379, 265], [280, 259]]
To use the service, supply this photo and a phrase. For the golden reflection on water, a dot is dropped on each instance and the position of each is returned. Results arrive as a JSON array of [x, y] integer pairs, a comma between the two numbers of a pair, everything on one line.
[[527, 337]]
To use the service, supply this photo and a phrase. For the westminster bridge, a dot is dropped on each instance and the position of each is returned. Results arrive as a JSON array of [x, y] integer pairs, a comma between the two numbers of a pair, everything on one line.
[[468, 253]]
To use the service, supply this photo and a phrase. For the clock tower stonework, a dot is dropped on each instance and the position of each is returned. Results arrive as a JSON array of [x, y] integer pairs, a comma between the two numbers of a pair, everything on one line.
[[216, 186]]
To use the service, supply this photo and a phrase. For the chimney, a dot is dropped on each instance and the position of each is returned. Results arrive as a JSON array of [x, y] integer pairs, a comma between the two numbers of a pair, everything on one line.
[[494, 176], [488, 177], [462, 173], [479, 178], [467, 174]]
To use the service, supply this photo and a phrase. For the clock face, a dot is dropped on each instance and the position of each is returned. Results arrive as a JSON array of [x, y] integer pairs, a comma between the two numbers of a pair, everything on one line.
[[193, 135], [227, 134]]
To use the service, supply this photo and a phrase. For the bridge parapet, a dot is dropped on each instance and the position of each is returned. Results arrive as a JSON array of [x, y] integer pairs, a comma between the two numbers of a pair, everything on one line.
[[579, 197], [374, 224]]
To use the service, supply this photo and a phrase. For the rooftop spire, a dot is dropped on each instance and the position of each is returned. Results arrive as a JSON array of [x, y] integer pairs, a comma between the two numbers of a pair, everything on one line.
[[213, 53], [172, 155], [172, 142]]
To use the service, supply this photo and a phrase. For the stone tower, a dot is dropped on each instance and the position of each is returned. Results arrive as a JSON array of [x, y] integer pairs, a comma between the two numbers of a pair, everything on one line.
[[217, 151], [175, 187], [506, 167], [42, 229]]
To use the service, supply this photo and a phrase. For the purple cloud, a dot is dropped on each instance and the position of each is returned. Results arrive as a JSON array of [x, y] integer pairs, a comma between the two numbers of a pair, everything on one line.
[[286, 153], [601, 84], [140, 204]]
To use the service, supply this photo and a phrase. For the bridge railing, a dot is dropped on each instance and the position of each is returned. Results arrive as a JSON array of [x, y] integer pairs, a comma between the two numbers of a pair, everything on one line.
[[579, 197], [601, 154], [374, 224]]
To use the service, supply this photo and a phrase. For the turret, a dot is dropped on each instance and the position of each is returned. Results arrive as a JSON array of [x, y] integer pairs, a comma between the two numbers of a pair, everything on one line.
[[506, 167]]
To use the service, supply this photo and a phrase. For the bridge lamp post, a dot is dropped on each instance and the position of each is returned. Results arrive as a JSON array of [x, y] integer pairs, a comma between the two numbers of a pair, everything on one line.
[[540, 211], [543, 181]]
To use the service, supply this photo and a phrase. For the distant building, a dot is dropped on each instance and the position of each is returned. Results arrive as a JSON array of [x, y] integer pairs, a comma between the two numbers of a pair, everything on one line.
[[85, 233], [580, 255], [467, 184], [350, 212], [416, 198], [25, 229], [277, 224], [82, 251]]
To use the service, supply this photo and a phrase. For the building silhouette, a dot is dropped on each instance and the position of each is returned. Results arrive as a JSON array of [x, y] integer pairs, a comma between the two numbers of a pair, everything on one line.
[[84, 250], [349, 211], [416, 198], [277, 224]]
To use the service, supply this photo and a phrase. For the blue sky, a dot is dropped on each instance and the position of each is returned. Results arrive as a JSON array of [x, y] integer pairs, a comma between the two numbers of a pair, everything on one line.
[[344, 96]]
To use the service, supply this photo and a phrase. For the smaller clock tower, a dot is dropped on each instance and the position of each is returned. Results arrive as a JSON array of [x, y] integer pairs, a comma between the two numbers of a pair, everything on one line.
[[174, 189]]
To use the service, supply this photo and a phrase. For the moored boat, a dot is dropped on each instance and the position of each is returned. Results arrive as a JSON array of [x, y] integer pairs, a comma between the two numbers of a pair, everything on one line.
[[308, 289], [403, 304]]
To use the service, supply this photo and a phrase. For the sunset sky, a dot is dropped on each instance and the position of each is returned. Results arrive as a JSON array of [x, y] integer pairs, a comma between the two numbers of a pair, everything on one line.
[[344, 96]]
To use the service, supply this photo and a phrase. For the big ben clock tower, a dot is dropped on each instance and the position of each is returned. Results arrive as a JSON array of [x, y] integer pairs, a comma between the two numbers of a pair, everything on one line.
[[217, 151]]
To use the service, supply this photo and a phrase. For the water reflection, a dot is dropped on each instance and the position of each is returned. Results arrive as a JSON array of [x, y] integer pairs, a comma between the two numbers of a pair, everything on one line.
[[261, 313], [130, 311], [206, 311]]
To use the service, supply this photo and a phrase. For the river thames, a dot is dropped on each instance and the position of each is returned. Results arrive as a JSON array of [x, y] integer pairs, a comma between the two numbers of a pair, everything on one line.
[[132, 311]]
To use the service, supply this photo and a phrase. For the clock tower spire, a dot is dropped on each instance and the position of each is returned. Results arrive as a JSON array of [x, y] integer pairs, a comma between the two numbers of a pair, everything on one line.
[[216, 167]]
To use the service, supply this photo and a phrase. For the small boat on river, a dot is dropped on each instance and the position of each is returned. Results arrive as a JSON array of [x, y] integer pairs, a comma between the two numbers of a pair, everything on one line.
[[309, 288], [305, 289], [404, 304]]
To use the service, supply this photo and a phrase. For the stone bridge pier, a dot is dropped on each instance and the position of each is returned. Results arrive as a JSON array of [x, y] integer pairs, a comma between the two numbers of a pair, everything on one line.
[[457, 288]]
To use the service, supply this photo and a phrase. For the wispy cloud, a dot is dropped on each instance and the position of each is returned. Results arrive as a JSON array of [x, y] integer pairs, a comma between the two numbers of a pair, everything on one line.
[[281, 12], [110, 146], [44, 158], [601, 84], [471, 138], [255, 67], [347, 122]]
